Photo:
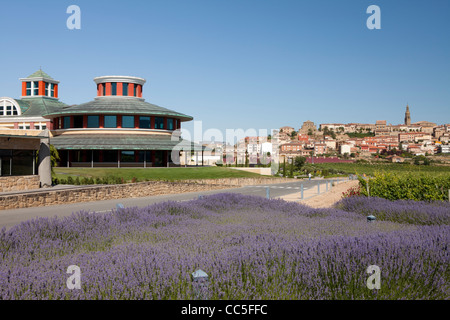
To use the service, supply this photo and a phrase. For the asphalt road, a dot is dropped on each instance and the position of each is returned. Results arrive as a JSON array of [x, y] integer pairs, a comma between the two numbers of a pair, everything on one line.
[[10, 218]]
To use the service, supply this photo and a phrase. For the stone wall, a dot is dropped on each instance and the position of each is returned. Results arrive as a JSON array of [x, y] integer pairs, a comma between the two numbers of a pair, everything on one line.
[[119, 191], [19, 183]]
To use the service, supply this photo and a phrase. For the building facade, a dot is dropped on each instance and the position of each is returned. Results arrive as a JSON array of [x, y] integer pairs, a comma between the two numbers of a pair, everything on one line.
[[116, 129]]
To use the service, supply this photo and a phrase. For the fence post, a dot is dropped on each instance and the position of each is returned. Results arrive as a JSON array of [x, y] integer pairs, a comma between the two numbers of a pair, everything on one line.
[[301, 191], [267, 192], [318, 187], [327, 185]]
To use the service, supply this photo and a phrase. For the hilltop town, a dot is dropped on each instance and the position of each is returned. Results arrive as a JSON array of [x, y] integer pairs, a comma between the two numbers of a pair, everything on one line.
[[342, 142]]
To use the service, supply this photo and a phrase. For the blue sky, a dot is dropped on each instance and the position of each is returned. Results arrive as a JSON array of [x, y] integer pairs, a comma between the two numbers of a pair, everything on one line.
[[243, 63]]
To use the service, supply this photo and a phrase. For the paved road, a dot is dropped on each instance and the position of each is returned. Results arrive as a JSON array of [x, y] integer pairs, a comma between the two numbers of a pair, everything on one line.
[[9, 218]]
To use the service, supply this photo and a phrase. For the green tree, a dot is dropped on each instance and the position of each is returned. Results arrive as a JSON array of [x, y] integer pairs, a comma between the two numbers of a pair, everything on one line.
[[299, 162]]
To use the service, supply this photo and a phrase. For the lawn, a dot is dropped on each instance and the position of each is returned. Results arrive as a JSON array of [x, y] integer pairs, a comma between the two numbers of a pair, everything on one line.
[[168, 174]]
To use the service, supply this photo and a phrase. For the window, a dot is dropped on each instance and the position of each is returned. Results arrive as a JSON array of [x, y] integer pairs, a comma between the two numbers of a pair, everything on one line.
[[78, 121], [66, 124], [110, 122], [9, 107], [23, 126], [159, 123], [109, 155], [40, 126], [127, 156], [170, 124], [125, 89], [127, 121], [28, 88], [35, 88], [144, 122], [104, 90], [134, 91], [50, 89], [145, 156], [93, 121], [113, 88]]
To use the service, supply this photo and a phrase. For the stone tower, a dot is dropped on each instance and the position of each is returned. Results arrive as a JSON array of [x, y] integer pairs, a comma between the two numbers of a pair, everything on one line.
[[407, 116]]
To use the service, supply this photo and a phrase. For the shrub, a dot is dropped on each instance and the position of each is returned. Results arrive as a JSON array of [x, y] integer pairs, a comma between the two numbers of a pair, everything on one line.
[[351, 192]]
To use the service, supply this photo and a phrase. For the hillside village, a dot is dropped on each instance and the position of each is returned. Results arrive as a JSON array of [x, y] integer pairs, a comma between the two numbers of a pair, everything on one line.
[[339, 142]]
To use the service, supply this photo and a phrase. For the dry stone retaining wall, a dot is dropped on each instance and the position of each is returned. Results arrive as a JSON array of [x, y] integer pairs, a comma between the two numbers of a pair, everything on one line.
[[19, 183], [119, 191]]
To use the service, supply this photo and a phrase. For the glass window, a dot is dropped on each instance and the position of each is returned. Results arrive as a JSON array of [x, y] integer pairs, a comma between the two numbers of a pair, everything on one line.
[[127, 156], [144, 122], [110, 122], [35, 88], [52, 86], [127, 121], [125, 89], [135, 93], [109, 155], [66, 122], [93, 121], [28, 89], [47, 88], [114, 88], [78, 121], [159, 123], [104, 90], [145, 156], [170, 124]]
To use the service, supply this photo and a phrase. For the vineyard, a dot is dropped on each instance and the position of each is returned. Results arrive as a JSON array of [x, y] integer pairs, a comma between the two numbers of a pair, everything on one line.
[[396, 181]]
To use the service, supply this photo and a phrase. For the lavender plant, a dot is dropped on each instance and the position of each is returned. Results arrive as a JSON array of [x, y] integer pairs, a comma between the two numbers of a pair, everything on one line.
[[402, 211], [251, 247]]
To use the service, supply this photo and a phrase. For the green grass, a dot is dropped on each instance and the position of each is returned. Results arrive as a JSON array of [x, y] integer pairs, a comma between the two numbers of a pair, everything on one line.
[[168, 174]]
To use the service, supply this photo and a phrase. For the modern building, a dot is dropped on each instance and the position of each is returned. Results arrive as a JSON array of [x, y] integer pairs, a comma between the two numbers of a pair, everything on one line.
[[116, 129]]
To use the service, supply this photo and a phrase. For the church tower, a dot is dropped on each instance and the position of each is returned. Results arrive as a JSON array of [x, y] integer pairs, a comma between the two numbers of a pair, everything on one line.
[[407, 116]]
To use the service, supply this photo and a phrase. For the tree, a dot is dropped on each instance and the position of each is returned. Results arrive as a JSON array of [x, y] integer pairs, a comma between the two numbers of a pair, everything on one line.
[[299, 162], [291, 171]]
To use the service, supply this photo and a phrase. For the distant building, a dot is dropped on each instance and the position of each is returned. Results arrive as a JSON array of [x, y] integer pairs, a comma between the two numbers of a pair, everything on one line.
[[287, 130], [308, 127], [444, 148], [407, 116], [395, 159]]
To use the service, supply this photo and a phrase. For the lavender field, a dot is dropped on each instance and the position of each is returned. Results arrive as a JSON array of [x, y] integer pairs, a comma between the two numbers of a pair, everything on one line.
[[251, 247]]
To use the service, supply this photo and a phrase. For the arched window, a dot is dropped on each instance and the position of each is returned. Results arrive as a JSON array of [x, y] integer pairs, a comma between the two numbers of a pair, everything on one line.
[[9, 107]]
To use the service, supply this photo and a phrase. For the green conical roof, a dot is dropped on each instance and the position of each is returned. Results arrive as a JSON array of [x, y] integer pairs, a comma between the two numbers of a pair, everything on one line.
[[40, 74]]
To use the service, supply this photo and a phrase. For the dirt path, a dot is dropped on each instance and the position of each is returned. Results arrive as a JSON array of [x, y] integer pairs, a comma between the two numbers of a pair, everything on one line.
[[324, 200]]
